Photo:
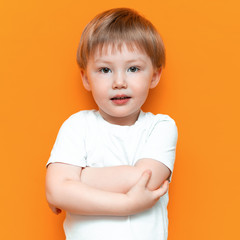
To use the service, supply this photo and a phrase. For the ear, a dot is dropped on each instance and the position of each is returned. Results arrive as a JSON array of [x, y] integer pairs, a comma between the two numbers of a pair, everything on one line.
[[85, 81], [156, 77]]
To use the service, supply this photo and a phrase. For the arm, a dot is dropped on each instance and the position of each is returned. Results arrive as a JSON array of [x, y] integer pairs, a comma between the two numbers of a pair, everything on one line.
[[161, 145], [121, 178], [65, 191]]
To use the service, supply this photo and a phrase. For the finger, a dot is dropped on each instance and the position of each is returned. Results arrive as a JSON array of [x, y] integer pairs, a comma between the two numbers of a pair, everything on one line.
[[144, 179], [162, 190]]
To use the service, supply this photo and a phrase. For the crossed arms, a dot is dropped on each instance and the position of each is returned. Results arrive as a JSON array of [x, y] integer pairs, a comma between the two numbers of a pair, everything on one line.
[[117, 191]]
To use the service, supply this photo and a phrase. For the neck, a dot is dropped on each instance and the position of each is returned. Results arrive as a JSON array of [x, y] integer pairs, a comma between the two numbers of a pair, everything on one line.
[[122, 121]]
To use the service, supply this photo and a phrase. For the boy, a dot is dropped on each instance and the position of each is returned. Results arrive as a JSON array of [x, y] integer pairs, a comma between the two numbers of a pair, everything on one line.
[[109, 169]]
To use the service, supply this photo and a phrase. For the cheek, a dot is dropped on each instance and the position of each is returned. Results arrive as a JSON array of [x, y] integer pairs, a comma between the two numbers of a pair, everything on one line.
[[99, 91], [96, 85], [141, 87]]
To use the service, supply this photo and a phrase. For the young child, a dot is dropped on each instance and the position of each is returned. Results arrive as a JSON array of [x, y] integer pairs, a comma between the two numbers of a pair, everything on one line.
[[109, 168]]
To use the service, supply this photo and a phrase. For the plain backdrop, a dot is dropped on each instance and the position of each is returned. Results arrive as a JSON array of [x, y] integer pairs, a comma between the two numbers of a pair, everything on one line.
[[40, 86]]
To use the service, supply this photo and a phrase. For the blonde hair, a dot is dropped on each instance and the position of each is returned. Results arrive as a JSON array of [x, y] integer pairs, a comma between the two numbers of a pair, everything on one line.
[[117, 26]]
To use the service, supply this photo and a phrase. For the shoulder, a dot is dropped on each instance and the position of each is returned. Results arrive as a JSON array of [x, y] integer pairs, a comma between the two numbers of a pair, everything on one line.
[[160, 125], [158, 117], [79, 120], [81, 117], [159, 120]]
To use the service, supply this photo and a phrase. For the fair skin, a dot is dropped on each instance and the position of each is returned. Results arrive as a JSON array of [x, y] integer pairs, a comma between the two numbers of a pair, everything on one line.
[[125, 73], [119, 81]]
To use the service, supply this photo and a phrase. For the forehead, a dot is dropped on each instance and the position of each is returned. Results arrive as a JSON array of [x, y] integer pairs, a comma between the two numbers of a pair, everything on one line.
[[110, 49]]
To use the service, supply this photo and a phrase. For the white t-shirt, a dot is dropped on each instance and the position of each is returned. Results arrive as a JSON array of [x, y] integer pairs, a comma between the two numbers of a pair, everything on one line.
[[86, 139]]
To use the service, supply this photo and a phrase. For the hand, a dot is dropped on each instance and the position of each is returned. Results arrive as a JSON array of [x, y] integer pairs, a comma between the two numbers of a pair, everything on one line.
[[55, 209], [141, 198]]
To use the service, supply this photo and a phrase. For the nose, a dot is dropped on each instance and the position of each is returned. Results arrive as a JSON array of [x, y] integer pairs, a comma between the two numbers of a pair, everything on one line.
[[119, 81]]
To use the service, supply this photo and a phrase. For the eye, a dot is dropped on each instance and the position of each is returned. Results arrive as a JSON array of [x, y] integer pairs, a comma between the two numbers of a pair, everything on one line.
[[105, 70], [133, 69]]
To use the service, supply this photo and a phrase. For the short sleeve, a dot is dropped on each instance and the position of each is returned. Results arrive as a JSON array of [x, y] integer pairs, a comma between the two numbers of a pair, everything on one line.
[[161, 142], [69, 146]]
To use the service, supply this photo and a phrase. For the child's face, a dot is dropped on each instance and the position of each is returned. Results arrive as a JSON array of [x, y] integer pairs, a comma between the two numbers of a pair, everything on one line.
[[120, 81]]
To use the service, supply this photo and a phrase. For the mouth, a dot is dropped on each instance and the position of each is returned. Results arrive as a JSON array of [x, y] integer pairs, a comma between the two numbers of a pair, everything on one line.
[[120, 99]]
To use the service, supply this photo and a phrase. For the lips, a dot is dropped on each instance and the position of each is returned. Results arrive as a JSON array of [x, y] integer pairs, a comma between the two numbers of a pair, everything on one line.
[[120, 99]]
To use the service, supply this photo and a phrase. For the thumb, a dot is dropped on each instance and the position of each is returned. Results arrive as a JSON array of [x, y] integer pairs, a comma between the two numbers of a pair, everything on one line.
[[144, 179]]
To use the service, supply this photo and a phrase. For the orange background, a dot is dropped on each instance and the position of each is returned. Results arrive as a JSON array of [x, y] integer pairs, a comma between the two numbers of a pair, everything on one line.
[[40, 87]]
